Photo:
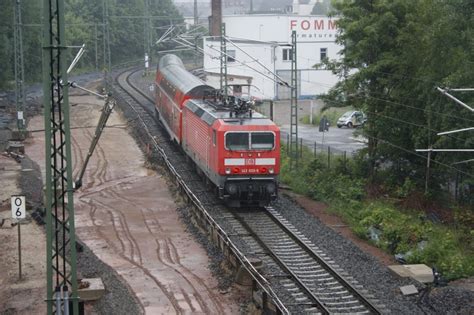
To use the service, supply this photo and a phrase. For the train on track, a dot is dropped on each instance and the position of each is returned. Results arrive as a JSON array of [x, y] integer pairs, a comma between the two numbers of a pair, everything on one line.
[[236, 148]]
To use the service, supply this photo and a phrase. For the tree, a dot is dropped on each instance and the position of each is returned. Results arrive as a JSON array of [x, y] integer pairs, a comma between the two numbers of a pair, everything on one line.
[[82, 17], [322, 8], [400, 50]]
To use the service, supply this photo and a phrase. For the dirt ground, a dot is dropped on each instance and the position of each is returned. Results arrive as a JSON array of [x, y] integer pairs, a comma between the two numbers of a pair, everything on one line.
[[25, 296], [127, 216]]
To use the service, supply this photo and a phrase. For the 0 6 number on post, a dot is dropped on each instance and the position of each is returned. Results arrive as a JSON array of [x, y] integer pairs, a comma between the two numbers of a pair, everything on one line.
[[18, 207]]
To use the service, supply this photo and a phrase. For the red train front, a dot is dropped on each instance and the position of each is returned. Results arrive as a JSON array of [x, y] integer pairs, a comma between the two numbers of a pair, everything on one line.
[[237, 149]]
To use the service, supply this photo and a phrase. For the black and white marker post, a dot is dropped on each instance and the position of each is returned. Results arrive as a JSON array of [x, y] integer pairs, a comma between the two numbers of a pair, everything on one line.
[[18, 213]]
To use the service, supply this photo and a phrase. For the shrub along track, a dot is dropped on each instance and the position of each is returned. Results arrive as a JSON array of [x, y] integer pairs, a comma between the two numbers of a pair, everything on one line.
[[291, 286]]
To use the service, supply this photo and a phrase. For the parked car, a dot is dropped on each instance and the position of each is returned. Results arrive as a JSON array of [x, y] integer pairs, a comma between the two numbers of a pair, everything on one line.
[[352, 119]]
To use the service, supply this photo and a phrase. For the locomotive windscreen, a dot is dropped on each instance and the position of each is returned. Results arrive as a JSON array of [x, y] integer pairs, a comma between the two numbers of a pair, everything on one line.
[[242, 141], [262, 140]]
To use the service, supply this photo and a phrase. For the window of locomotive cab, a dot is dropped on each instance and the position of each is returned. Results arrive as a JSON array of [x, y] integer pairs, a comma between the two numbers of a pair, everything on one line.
[[262, 141], [235, 141]]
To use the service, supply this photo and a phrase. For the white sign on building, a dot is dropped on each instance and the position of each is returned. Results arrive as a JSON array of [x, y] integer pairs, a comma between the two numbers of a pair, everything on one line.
[[259, 50]]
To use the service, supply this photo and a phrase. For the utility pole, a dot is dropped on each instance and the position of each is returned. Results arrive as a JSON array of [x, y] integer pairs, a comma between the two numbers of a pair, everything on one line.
[[215, 26], [61, 250], [106, 42], [223, 76], [19, 66], [195, 13], [146, 34], [96, 38], [293, 145]]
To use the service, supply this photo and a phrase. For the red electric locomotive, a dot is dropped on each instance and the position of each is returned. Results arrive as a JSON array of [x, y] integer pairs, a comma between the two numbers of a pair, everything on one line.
[[237, 149]]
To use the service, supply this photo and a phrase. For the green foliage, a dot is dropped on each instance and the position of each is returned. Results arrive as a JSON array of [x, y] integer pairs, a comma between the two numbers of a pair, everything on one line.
[[398, 64], [84, 25], [450, 249], [401, 50], [314, 179], [419, 240], [322, 8]]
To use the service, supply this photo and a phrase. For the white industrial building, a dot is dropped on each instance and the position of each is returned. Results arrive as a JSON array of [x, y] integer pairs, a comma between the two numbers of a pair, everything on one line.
[[259, 47]]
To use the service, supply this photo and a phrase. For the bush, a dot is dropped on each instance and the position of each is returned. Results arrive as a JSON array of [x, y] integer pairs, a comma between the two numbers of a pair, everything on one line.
[[315, 180], [420, 240]]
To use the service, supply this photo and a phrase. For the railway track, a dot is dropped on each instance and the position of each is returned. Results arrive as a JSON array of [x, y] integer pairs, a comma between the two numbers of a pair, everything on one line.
[[314, 281], [296, 275]]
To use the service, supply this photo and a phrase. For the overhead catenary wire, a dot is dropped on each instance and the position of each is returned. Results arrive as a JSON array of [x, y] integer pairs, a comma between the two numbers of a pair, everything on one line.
[[380, 99], [421, 156], [404, 122], [394, 102], [256, 60], [258, 71], [384, 100], [184, 42], [360, 96], [181, 40]]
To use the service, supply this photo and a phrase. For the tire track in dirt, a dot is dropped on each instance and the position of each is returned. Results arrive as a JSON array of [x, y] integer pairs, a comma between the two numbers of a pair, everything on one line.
[[168, 256], [92, 213], [103, 186], [174, 302], [119, 219], [77, 156]]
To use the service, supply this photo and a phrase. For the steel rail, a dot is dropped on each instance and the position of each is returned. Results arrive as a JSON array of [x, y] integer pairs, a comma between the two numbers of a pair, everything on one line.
[[358, 295], [257, 277], [268, 250]]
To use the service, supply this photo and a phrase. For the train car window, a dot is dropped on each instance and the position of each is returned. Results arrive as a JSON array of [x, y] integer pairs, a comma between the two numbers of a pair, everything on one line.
[[262, 141], [214, 137], [237, 141]]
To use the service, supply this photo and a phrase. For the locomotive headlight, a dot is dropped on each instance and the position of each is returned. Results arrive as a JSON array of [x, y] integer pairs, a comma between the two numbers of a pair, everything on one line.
[[271, 188], [271, 170], [231, 189], [227, 170]]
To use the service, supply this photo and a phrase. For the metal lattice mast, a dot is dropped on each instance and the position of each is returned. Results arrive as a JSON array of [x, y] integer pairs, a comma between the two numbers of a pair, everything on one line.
[[223, 83], [146, 29], [106, 42], [61, 249], [293, 145], [19, 68]]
